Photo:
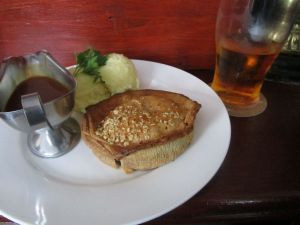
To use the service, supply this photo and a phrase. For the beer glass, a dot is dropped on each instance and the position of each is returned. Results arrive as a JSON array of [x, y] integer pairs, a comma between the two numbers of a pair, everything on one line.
[[249, 36]]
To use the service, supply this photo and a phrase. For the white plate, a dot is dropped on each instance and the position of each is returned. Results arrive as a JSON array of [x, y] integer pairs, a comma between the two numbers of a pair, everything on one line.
[[78, 189]]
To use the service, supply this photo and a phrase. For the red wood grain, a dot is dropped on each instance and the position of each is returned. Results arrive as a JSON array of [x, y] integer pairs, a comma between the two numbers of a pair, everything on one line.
[[176, 32]]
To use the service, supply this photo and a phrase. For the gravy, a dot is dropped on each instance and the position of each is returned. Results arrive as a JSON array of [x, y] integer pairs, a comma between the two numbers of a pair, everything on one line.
[[48, 89]]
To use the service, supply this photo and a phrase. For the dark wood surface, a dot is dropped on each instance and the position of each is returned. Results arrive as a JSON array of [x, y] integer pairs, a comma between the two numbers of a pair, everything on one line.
[[259, 179]]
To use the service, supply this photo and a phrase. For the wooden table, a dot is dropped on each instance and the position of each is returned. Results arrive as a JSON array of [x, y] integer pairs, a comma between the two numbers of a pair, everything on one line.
[[260, 177]]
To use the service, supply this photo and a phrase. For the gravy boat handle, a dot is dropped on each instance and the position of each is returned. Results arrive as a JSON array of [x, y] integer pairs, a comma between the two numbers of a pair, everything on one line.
[[45, 140]]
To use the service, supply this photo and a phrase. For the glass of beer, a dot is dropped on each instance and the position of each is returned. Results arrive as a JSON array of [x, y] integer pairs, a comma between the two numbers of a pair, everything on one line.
[[249, 36]]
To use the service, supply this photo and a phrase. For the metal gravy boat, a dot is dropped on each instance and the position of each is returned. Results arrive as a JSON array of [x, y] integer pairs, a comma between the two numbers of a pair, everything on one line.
[[51, 131]]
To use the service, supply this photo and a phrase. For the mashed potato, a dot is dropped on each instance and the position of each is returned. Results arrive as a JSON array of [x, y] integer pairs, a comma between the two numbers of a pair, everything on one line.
[[89, 92], [118, 75]]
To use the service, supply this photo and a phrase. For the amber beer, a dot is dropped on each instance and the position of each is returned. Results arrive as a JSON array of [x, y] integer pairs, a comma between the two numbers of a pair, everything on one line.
[[249, 35], [240, 71]]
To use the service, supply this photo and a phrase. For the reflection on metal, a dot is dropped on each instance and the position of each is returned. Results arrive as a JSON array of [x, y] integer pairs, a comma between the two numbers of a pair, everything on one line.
[[51, 131], [293, 42]]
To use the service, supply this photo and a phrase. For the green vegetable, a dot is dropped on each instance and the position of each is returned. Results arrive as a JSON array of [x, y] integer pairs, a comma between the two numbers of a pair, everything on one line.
[[89, 62]]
